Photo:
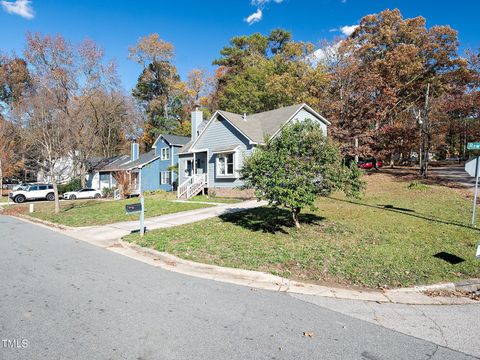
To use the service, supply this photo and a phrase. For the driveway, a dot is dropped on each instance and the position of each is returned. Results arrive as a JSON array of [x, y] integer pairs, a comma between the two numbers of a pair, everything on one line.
[[66, 299]]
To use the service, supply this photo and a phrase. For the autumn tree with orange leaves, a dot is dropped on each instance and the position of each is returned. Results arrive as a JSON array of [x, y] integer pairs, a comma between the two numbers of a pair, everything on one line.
[[166, 100], [387, 78]]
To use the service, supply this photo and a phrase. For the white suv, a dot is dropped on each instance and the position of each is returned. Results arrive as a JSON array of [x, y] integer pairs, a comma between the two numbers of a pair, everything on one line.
[[33, 192]]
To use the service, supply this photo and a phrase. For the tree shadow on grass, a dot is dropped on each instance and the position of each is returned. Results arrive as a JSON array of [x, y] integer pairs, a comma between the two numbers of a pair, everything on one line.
[[408, 212], [269, 220], [78, 205], [396, 208]]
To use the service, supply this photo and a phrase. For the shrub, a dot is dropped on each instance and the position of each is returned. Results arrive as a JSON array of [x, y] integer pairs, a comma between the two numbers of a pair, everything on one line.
[[416, 185], [297, 166], [108, 192], [73, 185]]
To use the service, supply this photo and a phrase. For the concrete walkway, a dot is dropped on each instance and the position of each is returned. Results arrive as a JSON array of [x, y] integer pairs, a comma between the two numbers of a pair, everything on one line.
[[106, 235]]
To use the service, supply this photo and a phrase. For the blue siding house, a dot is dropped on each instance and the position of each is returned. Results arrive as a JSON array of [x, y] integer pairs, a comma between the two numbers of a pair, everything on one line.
[[166, 148], [147, 172], [212, 159]]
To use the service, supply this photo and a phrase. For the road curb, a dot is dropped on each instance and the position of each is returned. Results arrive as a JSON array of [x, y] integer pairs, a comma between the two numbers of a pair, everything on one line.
[[265, 281]]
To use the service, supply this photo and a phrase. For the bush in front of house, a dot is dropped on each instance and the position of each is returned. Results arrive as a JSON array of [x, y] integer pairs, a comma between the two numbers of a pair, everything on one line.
[[108, 192], [294, 168], [73, 185]]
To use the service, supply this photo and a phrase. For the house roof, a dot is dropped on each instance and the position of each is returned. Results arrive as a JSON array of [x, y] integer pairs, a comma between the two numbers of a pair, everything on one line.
[[258, 126], [123, 162], [174, 140], [111, 164], [225, 149], [142, 160], [267, 123]]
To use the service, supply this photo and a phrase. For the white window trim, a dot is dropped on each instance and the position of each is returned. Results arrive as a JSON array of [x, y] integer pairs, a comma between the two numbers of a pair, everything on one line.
[[217, 167], [164, 176], [164, 153]]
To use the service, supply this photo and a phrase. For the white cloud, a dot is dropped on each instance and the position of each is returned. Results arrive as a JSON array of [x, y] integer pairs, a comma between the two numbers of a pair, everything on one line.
[[323, 54], [348, 30], [258, 15], [22, 8], [255, 17], [261, 3]]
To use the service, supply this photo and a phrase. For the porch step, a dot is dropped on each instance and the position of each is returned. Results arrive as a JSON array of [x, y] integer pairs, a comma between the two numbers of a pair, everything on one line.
[[192, 186]]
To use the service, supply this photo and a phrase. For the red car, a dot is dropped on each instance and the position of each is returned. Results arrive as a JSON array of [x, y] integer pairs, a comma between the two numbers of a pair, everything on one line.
[[368, 164]]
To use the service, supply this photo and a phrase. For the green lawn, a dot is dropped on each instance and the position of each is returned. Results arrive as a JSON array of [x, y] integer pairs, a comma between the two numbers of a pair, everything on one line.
[[3, 198], [99, 212], [395, 235]]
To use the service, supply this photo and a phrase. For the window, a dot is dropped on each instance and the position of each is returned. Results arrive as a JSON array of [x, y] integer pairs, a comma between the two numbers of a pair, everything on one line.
[[225, 164], [42, 187], [165, 178], [165, 153]]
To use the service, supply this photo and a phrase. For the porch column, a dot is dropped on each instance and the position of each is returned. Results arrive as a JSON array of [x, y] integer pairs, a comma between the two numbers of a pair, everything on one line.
[[194, 165]]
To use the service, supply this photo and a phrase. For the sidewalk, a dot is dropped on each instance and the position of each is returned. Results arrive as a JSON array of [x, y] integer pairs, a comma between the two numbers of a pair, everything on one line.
[[106, 235]]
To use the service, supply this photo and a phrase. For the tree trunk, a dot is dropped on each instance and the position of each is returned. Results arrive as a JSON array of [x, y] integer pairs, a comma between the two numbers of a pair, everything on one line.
[[426, 134], [375, 166], [83, 173], [57, 199], [356, 150], [295, 215]]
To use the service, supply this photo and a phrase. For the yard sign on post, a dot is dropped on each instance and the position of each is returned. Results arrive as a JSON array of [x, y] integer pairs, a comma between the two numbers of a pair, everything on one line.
[[142, 215], [472, 168]]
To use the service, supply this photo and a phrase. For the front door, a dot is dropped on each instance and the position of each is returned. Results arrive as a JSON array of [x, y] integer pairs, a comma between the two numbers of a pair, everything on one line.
[[188, 168], [201, 163]]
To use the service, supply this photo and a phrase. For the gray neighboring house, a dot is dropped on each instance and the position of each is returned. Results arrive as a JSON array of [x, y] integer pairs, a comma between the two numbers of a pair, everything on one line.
[[212, 159]]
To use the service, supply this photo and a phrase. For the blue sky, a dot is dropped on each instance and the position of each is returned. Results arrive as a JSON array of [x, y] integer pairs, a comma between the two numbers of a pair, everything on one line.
[[199, 29]]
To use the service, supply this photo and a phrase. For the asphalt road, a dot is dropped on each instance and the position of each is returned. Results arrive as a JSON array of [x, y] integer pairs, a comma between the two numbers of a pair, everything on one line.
[[66, 299], [454, 173]]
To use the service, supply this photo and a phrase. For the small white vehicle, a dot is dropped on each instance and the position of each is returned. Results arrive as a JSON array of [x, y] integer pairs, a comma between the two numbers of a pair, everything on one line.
[[83, 194], [32, 192]]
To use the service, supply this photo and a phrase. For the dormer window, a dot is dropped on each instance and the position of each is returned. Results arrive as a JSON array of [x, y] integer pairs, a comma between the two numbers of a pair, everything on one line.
[[165, 153]]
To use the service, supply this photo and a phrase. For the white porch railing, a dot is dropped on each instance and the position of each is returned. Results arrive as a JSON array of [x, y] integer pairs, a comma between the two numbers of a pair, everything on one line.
[[192, 186]]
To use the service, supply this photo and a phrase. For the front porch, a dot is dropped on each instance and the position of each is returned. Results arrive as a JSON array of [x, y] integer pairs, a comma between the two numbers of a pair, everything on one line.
[[193, 174]]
